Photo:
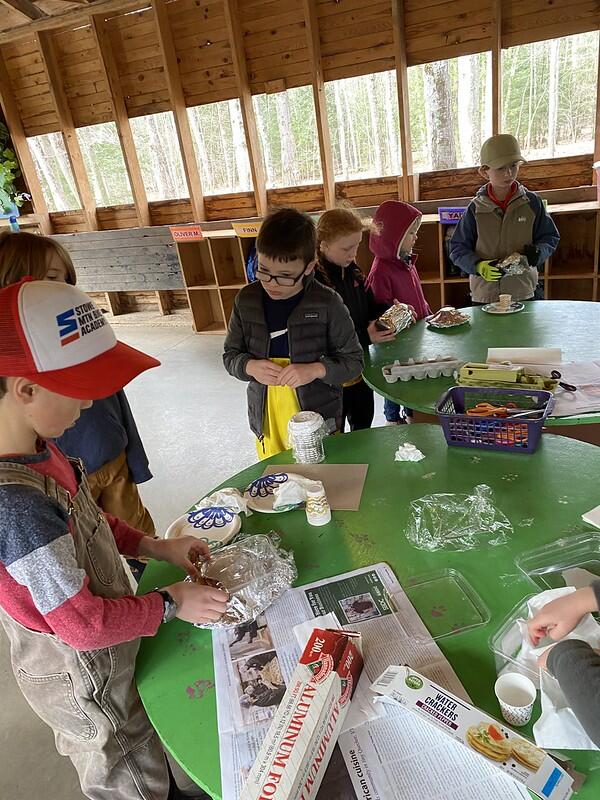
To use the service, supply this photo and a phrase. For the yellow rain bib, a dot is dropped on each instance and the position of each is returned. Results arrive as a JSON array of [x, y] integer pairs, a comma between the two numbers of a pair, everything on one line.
[[281, 404]]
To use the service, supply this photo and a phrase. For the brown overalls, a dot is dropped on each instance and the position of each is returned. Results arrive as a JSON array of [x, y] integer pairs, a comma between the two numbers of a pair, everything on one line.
[[89, 698]]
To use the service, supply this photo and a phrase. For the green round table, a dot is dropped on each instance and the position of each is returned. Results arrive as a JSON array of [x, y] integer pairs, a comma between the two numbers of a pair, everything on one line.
[[573, 326], [543, 495]]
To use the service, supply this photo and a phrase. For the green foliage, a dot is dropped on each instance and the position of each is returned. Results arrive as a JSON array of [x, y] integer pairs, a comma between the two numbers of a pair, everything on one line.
[[9, 172]]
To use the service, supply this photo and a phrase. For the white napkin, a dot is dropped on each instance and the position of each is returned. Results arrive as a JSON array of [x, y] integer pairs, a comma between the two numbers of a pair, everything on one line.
[[293, 491], [408, 452], [229, 498], [303, 631], [557, 726], [592, 517]]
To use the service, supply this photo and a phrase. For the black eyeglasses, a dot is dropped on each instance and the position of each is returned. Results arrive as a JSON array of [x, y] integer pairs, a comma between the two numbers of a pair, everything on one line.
[[280, 280]]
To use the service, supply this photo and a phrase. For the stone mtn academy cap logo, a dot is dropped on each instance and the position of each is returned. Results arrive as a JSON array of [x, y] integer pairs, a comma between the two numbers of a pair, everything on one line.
[[78, 321]]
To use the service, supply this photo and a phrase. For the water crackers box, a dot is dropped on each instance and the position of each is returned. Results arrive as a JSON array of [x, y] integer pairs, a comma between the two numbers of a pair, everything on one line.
[[295, 753], [511, 753]]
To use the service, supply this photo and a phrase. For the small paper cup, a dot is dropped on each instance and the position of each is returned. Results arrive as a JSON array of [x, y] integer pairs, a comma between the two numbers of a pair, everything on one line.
[[504, 301], [516, 695]]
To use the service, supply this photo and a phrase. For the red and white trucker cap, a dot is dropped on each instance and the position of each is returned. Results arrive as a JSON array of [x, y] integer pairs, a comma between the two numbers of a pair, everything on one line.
[[53, 334]]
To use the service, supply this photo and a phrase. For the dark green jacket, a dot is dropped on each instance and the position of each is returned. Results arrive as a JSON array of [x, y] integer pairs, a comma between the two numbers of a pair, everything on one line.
[[319, 329]]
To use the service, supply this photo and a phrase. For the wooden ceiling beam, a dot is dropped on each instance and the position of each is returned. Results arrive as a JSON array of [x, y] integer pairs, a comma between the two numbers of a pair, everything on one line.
[[132, 164], [26, 8], [182, 122], [318, 86], [67, 127], [70, 18], [257, 169], [10, 110], [406, 180]]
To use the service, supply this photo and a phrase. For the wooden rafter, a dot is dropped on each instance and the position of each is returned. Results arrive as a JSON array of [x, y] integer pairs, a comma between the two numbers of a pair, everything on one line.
[[132, 164], [69, 134], [19, 140], [70, 18], [257, 169], [182, 122], [496, 66], [318, 86], [407, 179], [26, 8]]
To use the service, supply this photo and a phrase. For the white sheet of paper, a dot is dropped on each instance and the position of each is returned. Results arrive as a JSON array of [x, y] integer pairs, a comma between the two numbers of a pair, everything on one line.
[[525, 355], [592, 517]]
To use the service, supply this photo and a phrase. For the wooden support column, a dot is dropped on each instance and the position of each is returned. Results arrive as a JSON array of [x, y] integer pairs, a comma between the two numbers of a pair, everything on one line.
[[26, 8], [113, 301], [19, 140], [163, 299], [232, 18], [496, 32], [69, 134], [318, 86], [182, 123], [406, 181], [132, 164], [597, 131]]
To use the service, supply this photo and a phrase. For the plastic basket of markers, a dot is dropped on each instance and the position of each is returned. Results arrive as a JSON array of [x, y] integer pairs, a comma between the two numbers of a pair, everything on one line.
[[499, 419]]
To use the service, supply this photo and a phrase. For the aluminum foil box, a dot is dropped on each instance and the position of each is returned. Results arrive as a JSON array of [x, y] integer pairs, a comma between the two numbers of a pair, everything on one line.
[[295, 753]]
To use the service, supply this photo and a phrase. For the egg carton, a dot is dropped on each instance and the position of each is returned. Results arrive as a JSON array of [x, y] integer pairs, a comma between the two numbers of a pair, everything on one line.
[[435, 367]]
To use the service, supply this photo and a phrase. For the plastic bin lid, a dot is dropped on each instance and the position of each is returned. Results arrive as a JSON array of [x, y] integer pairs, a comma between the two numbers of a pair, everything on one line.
[[572, 561], [446, 602]]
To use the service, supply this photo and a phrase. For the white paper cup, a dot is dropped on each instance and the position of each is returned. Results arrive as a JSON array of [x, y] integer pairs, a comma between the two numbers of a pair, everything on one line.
[[504, 301], [516, 695]]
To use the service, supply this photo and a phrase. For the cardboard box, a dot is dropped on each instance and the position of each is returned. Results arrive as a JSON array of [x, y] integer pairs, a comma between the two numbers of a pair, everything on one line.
[[295, 753], [473, 728]]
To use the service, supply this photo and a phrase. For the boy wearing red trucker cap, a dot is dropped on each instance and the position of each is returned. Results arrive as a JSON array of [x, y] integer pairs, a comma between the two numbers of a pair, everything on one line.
[[65, 600]]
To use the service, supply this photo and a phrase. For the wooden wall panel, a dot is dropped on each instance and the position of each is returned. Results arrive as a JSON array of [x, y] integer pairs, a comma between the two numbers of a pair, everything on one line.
[[171, 212], [546, 19], [68, 221], [370, 192], [30, 87], [306, 198], [116, 217], [137, 52], [275, 43], [230, 206], [84, 81]]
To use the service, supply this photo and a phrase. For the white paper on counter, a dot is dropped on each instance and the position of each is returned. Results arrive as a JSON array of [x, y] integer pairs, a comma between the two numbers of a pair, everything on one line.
[[303, 631], [592, 517], [525, 355]]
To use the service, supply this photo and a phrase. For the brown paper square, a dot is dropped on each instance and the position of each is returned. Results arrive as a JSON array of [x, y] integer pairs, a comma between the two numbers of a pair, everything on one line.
[[343, 482]]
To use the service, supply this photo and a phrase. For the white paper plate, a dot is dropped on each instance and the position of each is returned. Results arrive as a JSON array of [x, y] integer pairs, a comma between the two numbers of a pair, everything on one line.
[[215, 526], [492, 308], [259, 494]]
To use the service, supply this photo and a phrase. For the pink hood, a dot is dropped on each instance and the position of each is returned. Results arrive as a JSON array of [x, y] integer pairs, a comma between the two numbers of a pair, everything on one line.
[[392, 219]]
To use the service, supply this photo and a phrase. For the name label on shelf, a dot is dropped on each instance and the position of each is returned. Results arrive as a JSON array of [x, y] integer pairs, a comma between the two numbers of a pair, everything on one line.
[[450, 215], [245, 230], [186, 233]]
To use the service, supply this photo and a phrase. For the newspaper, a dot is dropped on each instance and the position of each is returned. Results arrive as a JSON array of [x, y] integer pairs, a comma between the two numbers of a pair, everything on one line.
[[253, 664]]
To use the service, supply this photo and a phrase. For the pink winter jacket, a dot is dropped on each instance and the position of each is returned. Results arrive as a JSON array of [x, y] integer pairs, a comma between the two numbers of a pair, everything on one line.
[[390, 277]]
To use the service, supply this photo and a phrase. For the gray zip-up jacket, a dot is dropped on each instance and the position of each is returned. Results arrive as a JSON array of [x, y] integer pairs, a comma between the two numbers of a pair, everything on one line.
[[319, 329], [576, 666]]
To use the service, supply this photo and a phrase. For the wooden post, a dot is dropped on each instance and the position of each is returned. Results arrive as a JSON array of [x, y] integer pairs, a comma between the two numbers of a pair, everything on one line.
[[407, 178], [318, 86], [69, 134], [597, 131], [163, 298], [182, 123], [232, 18], [113, 300], [496, 32], [19, 140], [26, 8], [132, 164]]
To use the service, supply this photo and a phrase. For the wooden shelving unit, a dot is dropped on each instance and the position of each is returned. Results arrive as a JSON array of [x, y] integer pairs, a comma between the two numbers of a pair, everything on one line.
[[214, 269]]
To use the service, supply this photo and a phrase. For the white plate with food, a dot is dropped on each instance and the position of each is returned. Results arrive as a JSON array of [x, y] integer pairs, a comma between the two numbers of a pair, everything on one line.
[[260, 493], [495, 308], [447, 317], [216, 526]]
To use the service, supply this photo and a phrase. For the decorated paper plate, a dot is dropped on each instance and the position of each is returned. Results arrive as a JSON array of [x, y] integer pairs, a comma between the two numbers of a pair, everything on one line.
[[259, 494], [215, 526], [494, 308]]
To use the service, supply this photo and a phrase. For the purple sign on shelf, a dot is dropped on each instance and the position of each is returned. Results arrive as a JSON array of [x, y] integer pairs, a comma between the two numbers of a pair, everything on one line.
[[450, 215]]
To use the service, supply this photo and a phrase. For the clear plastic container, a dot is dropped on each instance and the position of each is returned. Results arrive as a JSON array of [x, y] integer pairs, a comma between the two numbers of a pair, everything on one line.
[[572, 561], [506, 643], [446, 602]]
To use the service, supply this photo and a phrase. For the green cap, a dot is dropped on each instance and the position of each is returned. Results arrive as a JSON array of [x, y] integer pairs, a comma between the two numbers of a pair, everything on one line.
[[499, 150]]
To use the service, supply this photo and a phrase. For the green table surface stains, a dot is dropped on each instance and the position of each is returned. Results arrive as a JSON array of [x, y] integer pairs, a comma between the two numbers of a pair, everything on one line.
[[543, 495], [571, 325]]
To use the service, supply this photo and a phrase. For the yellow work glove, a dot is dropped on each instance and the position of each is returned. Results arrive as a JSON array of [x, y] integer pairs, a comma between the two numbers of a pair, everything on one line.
[[488, 270]]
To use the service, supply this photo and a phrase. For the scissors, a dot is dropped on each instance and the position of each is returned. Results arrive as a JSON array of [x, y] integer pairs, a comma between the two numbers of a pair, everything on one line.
[[488, 410], [568, 387]]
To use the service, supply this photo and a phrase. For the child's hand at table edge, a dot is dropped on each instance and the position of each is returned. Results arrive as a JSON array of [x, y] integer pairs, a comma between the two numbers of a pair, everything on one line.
[[198, 603], [295, 375], [558, 618], [376, 336], [182, 552]]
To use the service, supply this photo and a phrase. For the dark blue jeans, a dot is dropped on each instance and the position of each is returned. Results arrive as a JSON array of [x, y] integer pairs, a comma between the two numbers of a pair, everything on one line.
[[391, 410]]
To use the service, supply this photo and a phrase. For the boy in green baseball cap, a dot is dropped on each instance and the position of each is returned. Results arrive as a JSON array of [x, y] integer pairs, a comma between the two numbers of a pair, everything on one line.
[[503, 218]]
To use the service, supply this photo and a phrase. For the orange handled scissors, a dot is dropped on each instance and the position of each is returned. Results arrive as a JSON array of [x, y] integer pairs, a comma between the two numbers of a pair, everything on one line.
[[488, 410]]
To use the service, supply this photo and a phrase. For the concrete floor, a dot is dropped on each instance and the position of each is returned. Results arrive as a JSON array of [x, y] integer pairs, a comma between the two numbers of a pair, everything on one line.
[[192, 418]]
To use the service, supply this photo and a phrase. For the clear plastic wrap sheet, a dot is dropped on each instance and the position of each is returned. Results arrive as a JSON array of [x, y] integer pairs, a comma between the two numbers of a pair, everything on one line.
[[457, 521], [254, 572]]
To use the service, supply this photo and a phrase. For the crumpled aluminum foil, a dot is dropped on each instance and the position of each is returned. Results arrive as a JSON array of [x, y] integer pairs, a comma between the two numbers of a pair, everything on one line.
[[514, 264], [396, 318], [254, 572]]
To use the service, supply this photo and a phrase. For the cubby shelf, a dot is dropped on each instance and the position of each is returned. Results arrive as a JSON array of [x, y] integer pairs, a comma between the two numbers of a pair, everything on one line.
[[214, 268]]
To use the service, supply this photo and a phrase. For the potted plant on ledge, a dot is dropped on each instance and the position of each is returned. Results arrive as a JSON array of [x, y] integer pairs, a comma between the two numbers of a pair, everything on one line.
[[10, 198]]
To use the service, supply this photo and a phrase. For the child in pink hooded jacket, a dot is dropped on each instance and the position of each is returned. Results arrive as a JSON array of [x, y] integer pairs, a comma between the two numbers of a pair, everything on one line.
[[393, 275]]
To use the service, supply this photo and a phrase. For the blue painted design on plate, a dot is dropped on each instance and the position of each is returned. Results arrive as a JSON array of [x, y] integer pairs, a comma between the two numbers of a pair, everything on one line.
[[262, 487], [207, 518]]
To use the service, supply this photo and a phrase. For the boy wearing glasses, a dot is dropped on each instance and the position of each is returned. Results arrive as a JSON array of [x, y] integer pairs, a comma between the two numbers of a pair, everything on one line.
[[503, 218], [289, 336]]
